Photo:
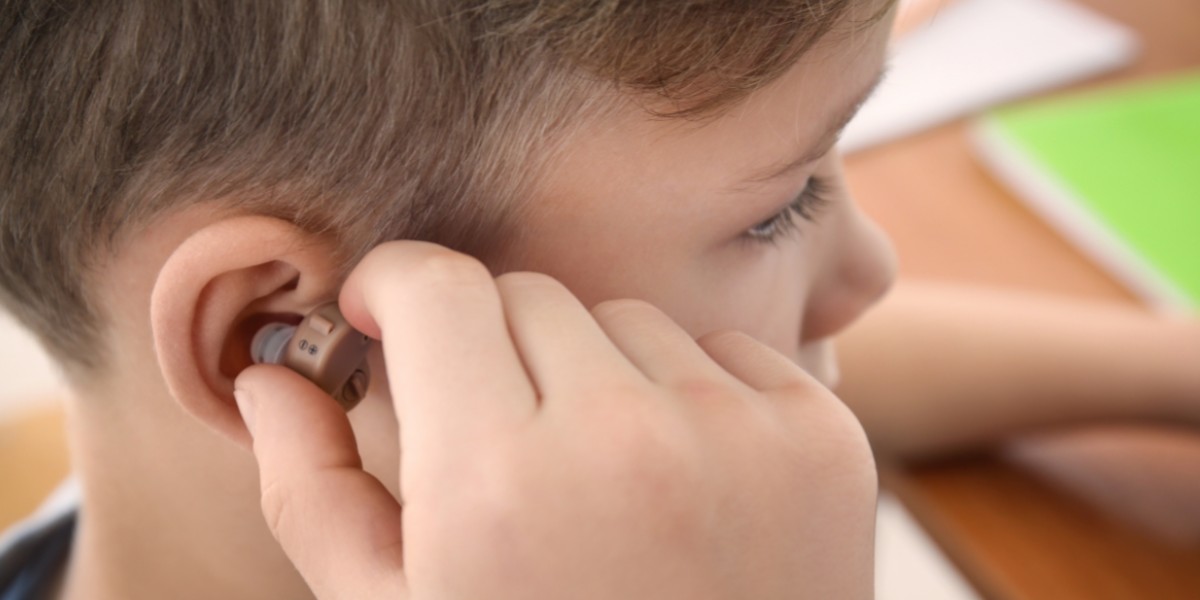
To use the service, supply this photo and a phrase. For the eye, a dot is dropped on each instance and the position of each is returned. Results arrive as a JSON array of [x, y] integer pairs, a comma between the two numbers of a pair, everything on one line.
[[814, 197]]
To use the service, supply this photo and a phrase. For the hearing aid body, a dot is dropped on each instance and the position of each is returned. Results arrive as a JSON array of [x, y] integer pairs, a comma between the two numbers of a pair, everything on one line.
[[324, 348]]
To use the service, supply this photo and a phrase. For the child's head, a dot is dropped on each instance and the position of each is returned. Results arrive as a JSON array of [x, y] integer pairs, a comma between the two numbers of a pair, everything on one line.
[[628, 148], [498, 127]]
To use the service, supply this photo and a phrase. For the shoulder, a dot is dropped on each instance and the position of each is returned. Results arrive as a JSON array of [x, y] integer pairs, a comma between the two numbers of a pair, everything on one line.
[[33, 552]]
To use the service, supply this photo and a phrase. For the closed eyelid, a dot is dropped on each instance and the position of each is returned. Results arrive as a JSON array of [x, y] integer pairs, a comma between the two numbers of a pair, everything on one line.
[[812, 200]]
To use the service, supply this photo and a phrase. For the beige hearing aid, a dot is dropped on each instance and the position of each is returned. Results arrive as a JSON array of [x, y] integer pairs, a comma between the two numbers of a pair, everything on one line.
[[324, 348]]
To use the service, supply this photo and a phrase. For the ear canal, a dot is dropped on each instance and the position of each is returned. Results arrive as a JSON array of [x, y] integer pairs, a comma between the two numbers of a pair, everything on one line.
[[270, 343]]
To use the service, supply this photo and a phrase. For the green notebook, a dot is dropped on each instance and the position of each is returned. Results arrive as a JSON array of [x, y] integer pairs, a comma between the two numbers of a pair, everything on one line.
[[1118, 173]]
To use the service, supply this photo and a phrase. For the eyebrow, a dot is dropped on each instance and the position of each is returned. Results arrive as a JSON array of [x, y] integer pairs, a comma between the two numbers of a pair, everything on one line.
[[827, 139]]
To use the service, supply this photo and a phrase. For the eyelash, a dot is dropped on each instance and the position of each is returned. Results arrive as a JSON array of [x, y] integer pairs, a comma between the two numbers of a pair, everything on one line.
[[811, 200]]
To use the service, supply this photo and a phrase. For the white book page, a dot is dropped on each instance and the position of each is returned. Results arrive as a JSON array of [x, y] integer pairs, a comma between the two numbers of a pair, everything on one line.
[[974, 54]]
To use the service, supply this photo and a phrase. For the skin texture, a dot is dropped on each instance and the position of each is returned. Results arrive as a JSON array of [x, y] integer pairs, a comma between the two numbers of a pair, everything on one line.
[[585, 454], [635, 208]]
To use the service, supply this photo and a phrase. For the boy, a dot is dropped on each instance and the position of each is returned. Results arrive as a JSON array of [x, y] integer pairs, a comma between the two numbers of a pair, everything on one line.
[[176, 176]]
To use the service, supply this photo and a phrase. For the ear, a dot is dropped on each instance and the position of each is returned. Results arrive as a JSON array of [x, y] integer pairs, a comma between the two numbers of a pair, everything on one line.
[[213, 293]]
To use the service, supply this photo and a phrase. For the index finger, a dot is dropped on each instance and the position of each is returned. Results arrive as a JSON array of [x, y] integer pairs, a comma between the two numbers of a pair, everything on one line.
[[453, 369]]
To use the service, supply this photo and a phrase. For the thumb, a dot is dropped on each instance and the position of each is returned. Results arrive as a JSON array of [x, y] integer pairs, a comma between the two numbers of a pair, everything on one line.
[[338, 525]]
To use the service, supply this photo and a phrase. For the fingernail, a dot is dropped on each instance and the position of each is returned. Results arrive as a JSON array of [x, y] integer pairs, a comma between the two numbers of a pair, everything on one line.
[[246, 407]]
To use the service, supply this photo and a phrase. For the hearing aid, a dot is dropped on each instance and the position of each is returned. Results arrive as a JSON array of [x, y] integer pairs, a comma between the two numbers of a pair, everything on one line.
[[324, 348]]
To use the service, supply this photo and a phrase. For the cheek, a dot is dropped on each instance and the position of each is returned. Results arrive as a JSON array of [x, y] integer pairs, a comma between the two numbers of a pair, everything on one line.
[[761, 292]]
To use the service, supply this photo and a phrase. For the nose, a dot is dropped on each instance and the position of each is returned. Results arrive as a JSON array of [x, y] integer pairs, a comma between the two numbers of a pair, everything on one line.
[[862, 274]]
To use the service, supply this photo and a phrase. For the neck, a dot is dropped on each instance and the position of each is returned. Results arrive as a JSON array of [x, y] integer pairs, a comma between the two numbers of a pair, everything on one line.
[[170, 509]]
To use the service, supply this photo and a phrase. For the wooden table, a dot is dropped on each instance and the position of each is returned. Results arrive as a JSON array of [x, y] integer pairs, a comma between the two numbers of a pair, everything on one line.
[[33, 460], [1097, 514]]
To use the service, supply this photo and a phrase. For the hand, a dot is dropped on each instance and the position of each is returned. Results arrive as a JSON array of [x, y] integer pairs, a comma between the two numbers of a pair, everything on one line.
[[553, 452]]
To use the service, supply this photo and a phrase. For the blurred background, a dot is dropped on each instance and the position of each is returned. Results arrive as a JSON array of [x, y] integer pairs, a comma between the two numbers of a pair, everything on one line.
[[1048, 146]]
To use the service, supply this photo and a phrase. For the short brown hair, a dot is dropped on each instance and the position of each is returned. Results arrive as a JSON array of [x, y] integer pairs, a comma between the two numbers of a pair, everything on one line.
[[366, 120]]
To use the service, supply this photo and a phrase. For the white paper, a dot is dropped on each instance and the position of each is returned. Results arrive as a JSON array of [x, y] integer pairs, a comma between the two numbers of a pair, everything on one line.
[[978, 53]]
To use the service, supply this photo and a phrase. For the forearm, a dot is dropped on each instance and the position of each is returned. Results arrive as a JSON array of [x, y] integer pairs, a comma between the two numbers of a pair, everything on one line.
[[938, 367]]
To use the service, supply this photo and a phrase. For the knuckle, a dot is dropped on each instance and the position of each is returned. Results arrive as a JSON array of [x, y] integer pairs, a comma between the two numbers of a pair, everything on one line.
[[528, 280], [421, 263], [798, 387], [625, 309], [277, 507], [649, 454], [832, 435], [853, 464], [446, 267], [722, 338], [851, 439], [703, 390]]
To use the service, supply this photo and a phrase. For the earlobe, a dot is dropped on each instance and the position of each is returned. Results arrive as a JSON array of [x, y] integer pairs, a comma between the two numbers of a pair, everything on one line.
[[214, 291]]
